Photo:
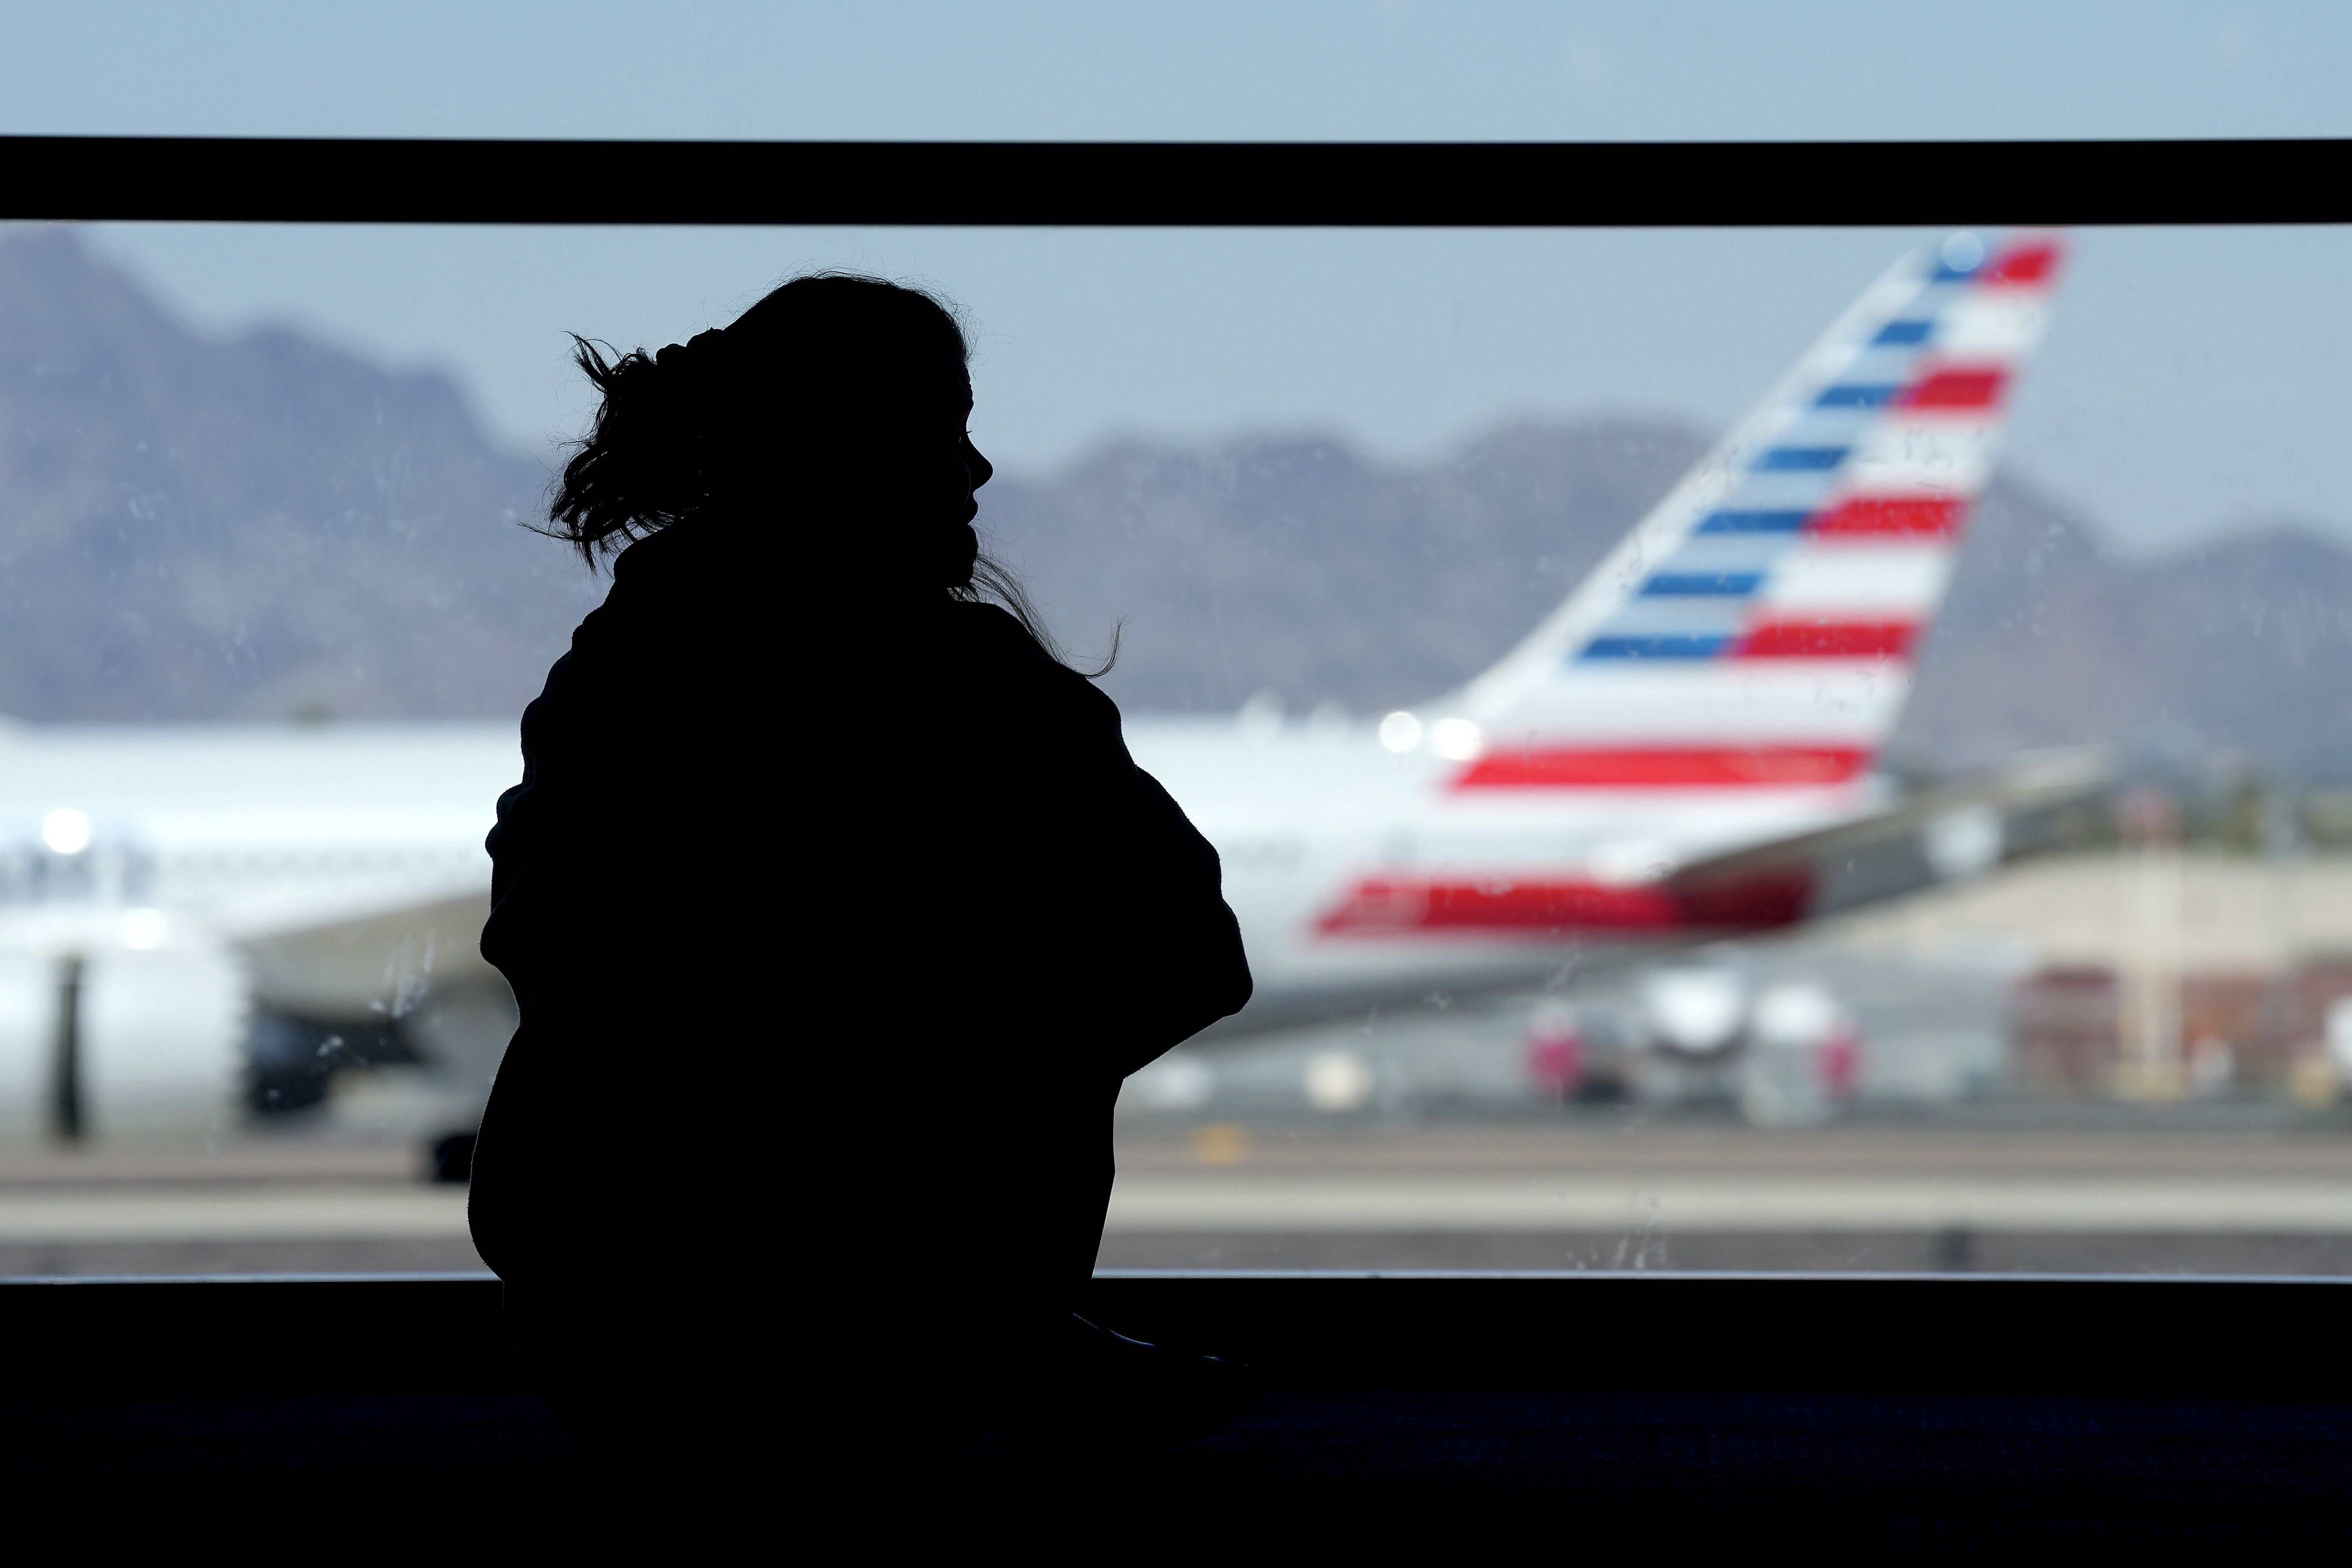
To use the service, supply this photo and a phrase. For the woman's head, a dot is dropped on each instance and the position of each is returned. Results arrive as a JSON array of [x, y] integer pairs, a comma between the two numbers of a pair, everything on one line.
[[833, 410]]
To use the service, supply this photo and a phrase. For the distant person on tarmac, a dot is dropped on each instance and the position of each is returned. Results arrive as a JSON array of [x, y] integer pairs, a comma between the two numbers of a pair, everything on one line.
[[837, 911]]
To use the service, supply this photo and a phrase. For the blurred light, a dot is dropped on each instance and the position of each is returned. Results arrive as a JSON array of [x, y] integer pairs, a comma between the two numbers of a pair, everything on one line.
[[1796, 1012], [1219, 1143], [66, 830], [1696, 1009], [144, 929], [1962, 251], [1400, 732], [1456, 740], [2339, 1034], [1177, 1081], [1964, 843], [1260, 716], [1337, 1080]]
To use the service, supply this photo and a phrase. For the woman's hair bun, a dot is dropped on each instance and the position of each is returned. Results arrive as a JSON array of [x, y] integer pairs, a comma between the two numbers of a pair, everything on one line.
[[829, 366], [675, 428]]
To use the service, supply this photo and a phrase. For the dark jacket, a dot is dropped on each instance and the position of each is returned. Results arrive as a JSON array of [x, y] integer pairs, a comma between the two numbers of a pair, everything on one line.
[[833, 923]]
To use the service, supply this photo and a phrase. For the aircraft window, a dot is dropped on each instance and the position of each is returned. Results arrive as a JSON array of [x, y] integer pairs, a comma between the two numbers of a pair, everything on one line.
[[1685, 811]]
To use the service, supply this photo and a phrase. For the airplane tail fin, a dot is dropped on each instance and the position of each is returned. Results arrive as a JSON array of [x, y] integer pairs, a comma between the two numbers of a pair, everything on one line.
[[1758, 628]]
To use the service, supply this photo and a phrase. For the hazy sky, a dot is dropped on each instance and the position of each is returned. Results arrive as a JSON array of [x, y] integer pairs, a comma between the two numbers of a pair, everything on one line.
[[2194, 381]]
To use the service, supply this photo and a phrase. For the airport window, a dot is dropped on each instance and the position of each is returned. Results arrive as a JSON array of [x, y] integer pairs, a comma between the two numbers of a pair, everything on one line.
[[1775, 749]]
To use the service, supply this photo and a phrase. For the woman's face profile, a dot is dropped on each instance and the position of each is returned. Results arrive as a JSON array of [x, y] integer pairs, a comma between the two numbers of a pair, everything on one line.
[[975, 469], [921, 454]]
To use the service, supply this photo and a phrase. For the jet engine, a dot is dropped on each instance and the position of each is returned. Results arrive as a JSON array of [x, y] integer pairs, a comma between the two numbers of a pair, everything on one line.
[[120, 1043]]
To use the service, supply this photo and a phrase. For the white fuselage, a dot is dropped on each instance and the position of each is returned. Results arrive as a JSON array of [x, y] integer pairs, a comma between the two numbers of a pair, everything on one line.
[[228, 832], [1303, 816], [232, 834]]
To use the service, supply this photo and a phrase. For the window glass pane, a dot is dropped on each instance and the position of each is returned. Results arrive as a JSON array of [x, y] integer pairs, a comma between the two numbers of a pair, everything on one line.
[[1535, 643]]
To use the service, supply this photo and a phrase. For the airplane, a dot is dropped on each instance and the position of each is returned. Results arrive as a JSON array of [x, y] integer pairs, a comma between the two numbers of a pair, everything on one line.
[[208, 922]]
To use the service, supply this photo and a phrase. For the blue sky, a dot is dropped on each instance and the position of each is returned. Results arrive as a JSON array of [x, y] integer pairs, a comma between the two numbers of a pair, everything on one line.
[[2196, 382], [1346, 68]]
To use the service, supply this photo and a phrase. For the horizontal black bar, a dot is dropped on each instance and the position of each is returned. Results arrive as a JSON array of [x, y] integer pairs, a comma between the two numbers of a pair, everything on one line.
[[1954, 1333], [1316, 184], [169, 1337], [1854, 1334]]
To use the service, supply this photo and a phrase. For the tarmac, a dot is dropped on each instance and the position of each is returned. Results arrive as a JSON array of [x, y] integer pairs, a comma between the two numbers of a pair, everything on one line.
[[1600, 1191], [2223, 1191]]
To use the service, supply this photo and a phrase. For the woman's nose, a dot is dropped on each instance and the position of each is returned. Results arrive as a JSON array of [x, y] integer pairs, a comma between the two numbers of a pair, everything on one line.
[[978, 467]]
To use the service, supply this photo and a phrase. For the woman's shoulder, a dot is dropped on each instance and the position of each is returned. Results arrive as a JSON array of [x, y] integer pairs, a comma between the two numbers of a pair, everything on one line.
[[687, 592], [994, 627], [994, 652], [995, 633]]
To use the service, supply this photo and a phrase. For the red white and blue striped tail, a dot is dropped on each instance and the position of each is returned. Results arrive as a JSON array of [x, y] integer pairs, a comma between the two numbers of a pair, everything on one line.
[[1757, 629]]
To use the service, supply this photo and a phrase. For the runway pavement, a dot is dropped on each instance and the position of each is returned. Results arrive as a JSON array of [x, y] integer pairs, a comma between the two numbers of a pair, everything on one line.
[[2217, 1191], [324, 1213], [255, 1205], [2218, 1196], [1536, 1202]]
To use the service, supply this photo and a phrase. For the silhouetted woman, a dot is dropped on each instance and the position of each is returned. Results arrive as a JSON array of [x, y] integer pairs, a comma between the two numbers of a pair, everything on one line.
[[835, 907]]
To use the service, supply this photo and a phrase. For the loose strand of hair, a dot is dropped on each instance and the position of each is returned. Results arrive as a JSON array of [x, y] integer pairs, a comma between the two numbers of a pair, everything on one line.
[[993, 581]]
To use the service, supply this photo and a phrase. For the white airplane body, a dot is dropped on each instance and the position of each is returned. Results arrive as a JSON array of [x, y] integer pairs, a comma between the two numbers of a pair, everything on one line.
[[1340, 855], [1720, 684]]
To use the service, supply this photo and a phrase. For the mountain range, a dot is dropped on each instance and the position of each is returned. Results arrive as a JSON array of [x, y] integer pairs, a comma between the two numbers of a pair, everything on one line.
[[250, 527], [263, 527]]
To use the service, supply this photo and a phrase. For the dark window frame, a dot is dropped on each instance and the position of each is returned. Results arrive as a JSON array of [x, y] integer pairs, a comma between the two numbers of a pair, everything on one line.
[[1870, 1333], [2047, 1335], [1176, 184]]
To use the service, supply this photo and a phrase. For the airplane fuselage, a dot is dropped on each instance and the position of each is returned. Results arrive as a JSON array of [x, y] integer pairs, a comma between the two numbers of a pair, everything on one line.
[[1361, 874], [1333, 845]]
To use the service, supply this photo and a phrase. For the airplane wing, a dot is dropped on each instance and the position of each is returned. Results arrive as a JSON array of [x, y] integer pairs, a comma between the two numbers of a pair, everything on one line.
[[1947, 834], [380, 961]]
